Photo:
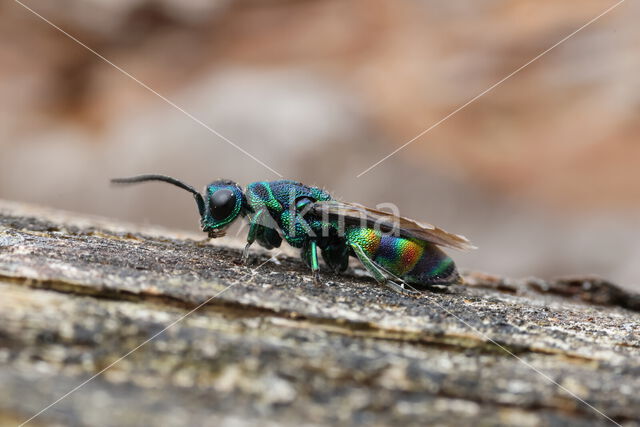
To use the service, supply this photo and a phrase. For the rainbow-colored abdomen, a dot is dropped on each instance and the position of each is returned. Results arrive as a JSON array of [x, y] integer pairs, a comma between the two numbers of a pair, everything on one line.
[[415, 261]]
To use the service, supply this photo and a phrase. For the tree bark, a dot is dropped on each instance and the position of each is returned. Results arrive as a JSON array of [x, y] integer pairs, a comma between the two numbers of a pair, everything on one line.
[[208, 340]]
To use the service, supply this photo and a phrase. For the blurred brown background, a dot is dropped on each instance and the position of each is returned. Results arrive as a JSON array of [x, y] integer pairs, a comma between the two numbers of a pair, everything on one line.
[[541, 173]]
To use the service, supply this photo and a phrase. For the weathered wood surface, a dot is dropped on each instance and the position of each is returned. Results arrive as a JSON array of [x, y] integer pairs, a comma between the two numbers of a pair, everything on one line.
[[77, 294]]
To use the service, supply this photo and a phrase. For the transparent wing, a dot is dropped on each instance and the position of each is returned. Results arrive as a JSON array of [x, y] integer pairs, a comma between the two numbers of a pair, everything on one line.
[[355, 214]]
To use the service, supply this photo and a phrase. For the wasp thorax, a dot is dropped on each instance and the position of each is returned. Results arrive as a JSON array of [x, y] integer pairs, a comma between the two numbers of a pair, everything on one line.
[[221, 204]]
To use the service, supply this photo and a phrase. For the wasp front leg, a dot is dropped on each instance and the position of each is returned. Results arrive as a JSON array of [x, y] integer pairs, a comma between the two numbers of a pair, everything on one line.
[[251, 237], [266, 237], [310, 256]]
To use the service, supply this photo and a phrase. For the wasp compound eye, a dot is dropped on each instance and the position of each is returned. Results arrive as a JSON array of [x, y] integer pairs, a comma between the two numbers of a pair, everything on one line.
[[222, 203]]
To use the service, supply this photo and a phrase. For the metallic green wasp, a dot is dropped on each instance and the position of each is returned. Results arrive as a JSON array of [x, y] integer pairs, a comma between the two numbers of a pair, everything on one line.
[[400, 253]]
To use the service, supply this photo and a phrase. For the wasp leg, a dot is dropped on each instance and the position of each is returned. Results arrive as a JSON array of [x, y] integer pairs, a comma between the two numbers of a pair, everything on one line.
[[251, 237], [378, 273], [336, 256], [254, 227], [310, 257], [263, 232]]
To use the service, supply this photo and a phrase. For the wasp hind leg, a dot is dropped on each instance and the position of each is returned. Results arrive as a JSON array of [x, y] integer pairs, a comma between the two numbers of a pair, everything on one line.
[[381, 275]]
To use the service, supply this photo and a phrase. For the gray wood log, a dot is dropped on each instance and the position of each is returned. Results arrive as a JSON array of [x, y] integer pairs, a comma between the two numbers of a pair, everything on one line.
[[268, 346]]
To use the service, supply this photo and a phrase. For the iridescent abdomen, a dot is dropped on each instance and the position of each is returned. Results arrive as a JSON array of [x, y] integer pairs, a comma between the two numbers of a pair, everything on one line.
[[415, 261]]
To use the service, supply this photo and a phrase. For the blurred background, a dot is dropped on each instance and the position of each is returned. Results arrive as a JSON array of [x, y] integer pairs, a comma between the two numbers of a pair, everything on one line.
[[541, 172]]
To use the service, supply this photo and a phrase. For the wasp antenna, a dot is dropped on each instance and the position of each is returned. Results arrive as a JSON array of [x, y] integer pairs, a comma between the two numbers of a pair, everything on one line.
[[164, 178]]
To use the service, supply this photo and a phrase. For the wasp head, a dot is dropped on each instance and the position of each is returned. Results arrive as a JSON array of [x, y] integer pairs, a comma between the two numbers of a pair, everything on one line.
[[223, 203]]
